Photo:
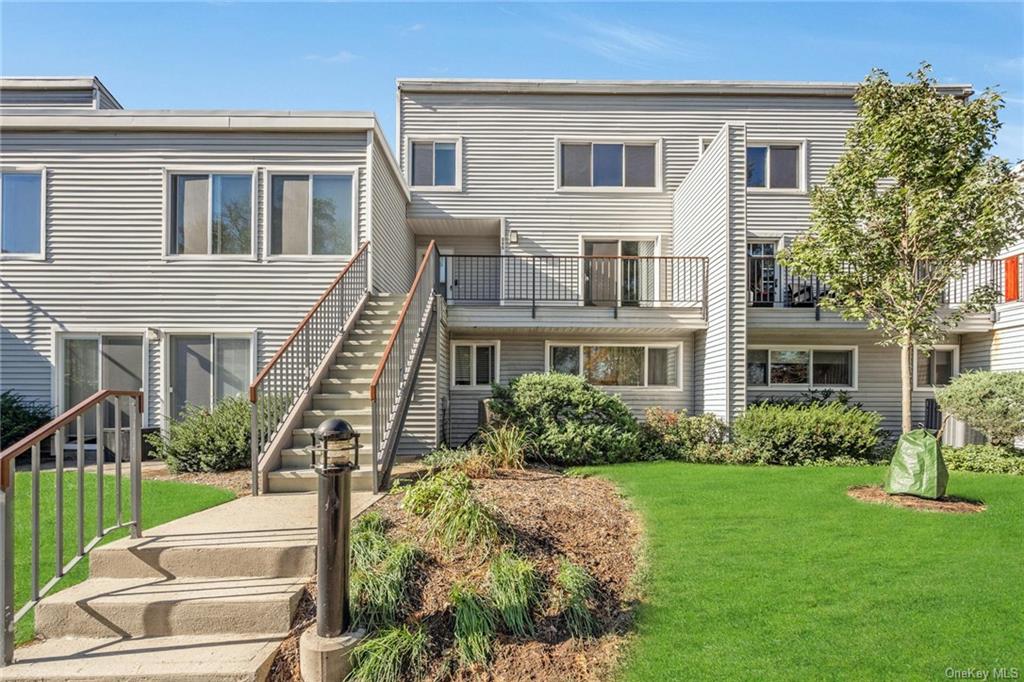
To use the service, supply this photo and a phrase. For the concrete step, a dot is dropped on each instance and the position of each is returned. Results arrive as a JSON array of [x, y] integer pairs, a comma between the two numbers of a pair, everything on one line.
[[369, 332], [195, 658], [312, 418], [349, 400], [337, 385], [363, 355], [298, 458], [305, 480], [304, 436], [351, 372], [365, 343], [159, 607]]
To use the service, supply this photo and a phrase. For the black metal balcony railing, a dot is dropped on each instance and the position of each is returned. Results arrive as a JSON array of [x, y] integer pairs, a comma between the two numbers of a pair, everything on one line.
[[771, 285], [605, 281]]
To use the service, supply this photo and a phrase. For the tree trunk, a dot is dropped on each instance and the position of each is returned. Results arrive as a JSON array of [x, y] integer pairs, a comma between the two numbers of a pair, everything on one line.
[[906, 381]]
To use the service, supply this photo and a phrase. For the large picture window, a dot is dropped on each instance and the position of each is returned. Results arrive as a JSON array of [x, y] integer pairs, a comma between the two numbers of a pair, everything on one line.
[[608, 164], [475, 363], [21, 213], [615, 365], [211, 214], [803, 368], [206, 368], [311, 214]]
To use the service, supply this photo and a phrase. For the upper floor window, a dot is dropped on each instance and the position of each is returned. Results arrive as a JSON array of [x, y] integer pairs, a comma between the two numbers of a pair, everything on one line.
[[604, 164], [211, 214], [434, 163], [21, 213], [774, 166], [311, 214]]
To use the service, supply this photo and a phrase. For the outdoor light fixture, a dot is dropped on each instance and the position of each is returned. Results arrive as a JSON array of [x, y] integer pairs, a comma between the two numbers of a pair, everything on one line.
[[513, 237], [338, 446]]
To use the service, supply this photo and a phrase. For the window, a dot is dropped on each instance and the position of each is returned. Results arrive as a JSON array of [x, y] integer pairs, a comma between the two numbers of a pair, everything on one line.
[[805, 368], [761, 273], [311, 214], [475, 364], [608, 365], [604, 164], [211, 214], [937, 368], [435, 164], [774, 166], [21, 213], [206, 368], [620, 272], [90, 362]]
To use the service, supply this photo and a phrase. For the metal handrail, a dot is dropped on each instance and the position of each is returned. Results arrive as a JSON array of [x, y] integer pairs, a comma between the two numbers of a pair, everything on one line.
[[55, 431], [609, 281], [287, 376], [392, 382]]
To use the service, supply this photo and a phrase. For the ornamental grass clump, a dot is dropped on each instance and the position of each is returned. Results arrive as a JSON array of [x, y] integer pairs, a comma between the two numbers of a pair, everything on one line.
[[421, 497], [458, 518], [475, 624], [506, 446], [577, 592], [381, 573], [515, 590], [470, 461], [391, 655]]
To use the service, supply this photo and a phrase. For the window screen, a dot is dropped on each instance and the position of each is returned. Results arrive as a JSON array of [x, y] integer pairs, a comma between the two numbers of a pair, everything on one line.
[[662, 367], [785, 162], [484, 365], [231, 367], [289, 214], [575, 165], [607, 165], [332, 214], [565, 359], [833, 367], [292, 225], [444, 164], [640, 165], [191, 214], [20, 223], [423, 163], [463, 365]]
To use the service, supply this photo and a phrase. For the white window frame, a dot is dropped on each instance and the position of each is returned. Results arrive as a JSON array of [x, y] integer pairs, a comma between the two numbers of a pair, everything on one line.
[[639, 237], [59, 336], [930, 388], [659, 164], [701, 140], [678, 346], [810, 386], [268, 175], [209, 171], [801, 171], [42, 171], [472, 364], [165, 352], [456, 140]]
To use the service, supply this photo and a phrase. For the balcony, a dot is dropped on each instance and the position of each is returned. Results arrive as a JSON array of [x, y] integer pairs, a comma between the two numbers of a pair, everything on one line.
[[553, 291]]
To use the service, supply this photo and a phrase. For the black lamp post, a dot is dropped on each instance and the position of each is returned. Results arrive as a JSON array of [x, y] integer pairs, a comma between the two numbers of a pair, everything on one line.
[[334, 453]]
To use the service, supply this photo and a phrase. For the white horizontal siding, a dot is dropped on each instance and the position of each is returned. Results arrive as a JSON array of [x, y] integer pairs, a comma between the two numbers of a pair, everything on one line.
[[392, 247], [419, 432]]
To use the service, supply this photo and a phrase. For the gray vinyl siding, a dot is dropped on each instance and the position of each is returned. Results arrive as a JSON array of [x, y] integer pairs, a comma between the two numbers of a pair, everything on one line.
[[393, 249], [79, 98], [105, 267], [419, 432]]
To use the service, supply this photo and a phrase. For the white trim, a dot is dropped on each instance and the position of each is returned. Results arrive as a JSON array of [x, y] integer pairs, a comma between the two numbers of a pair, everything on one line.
[[57, 338], [472, 364], [43, 173], [930, 388], [809, 349], [659, 165], [209, 171], [456, 140], [268, 175], [677, 345], [803, 158], [701, 139], [166, 369]]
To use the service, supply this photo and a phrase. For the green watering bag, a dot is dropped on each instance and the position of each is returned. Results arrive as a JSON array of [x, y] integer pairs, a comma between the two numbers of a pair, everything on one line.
[[917, 467]]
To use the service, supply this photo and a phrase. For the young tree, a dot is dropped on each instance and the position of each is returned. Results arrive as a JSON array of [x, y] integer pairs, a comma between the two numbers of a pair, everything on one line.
[[913, 203]]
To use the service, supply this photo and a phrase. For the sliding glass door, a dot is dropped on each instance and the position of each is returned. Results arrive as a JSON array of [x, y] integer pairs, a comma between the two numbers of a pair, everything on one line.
[[91, 362], [206, 368], [619, 272]]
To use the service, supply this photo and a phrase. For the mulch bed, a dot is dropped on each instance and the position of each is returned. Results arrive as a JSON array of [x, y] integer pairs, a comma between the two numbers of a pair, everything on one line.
[[951, 505], [550, 516], [239, 482]]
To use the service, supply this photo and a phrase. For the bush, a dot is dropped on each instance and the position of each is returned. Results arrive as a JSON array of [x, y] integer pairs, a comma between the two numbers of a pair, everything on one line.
[[202, 440], [474, 624], [992, 402], [986, 459], [453, 515], [421, 497], [20, 416], [722, 453], [796, 434], [568, 421], [674, 435], [392, 655], [515, 591], [577, 591]]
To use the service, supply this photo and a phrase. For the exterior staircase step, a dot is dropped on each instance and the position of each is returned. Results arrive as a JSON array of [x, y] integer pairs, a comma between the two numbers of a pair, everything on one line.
[[305, 480], [192, 658], [160, 607]]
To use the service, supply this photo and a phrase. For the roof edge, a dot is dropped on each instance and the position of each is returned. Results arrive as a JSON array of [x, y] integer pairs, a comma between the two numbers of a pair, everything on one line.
[[156, 119]]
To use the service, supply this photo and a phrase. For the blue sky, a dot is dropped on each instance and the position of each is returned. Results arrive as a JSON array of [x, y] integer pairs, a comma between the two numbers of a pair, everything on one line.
[[347, 56]]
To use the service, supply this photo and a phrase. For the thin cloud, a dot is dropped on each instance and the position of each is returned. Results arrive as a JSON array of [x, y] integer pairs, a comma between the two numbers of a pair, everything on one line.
[[626, 44], [414, 28], [342, 57]]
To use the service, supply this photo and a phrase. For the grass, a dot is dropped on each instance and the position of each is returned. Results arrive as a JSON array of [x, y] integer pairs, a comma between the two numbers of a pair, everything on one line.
[[162, 501], [774, 573], [454, 517], [577, 589], [390, 655], [380, 576], [515, 589], [474, 624], [506, 446]]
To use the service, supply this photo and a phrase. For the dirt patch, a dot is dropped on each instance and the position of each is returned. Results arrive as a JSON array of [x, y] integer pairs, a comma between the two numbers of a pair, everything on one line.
[[285, 667], [548, 516], [952, 505], [239, 482]]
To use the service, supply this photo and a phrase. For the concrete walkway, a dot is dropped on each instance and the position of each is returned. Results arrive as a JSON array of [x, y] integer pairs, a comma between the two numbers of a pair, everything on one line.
[[206, 597]]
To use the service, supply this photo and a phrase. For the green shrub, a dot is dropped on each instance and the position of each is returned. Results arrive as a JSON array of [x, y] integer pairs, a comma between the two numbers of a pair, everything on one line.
[[474, 624], [515, 589], [506, 446], [391, 655], [470, 461], [577, 591], [986, 459], [567, 420], [207, 440], [20, 416], [421, 497], [722, 453], [460, 519], [794, 434], [675, 435], [381, 573], [992, 402]]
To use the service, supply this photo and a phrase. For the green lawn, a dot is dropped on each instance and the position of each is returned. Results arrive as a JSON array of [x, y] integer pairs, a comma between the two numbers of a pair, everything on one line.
[[760, 572], [162, 501]]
